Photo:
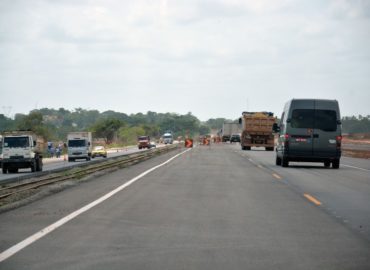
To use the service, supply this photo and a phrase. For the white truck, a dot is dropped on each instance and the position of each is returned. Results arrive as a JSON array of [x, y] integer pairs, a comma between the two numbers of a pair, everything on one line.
[[167, 138], [79, 145], [22, 149], [228, 129]]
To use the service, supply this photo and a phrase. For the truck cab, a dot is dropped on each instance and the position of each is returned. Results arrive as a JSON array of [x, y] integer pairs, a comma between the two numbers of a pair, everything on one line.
[[21, 150], [79, 145], [143, 142], [167, 138]]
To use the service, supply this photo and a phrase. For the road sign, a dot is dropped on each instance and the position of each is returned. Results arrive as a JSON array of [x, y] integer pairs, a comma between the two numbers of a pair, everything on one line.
[[188, 143]]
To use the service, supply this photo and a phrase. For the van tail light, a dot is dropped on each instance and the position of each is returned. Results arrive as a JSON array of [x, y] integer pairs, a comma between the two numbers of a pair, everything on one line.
[[286, 140], [339, 141]]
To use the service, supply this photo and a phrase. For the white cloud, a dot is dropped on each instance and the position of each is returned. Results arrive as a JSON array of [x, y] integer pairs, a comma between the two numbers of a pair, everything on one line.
[[212, 51]]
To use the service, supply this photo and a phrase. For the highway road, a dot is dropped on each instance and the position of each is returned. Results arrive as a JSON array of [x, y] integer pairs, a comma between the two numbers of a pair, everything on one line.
[[211, 207]]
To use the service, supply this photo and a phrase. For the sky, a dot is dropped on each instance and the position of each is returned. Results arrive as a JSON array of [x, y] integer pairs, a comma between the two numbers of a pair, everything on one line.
[[211, 58]]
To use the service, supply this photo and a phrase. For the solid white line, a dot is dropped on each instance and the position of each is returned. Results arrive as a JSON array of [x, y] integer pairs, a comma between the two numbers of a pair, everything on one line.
[[33, 238], [358, 168]]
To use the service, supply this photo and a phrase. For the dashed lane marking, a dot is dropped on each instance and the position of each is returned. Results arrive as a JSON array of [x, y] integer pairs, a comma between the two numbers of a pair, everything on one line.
[[312, 199], [276, 176]]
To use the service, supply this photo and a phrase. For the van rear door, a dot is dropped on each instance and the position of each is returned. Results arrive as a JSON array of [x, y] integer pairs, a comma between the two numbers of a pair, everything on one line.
[[301, 131], [326, 129]]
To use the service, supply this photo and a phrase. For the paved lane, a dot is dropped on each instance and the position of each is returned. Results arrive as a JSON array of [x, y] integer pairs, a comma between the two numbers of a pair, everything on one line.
[[344, 193], [210, 208]]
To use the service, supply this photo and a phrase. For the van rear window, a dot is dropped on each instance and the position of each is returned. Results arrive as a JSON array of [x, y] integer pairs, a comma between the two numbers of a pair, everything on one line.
[[325, 120]]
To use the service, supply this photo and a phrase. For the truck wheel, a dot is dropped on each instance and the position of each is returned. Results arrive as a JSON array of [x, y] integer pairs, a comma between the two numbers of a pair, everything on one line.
[[327, 164], [335, 164], [5, 170], [13, 170], [33, 166], [278, 161], [247, 148], [285, 162], [39, 165]]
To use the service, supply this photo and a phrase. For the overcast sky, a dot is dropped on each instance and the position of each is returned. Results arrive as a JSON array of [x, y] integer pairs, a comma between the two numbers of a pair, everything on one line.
[[211, 58]]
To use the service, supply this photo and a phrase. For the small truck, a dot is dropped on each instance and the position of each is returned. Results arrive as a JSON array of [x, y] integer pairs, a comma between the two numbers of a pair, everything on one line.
[[79, 145], [228, 129], [22, 149], [143, 142], [257, 130]]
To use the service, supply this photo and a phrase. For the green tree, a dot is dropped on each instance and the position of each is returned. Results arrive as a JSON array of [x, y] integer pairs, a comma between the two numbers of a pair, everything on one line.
[[204, 130], [107, 129], [128, 135], [34, 122]]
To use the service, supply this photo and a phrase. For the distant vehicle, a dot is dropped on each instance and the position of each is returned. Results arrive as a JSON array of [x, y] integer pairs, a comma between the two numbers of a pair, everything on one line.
[[309, 131], [1, 150], [99, 151], [257, 130], [79, 145], [167, 138], [143, 142], [235, 138], [152, 144], [22, 149], [229, 128]]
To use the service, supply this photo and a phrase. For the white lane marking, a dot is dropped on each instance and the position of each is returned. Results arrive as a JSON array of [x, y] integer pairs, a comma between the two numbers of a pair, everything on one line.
[[33, 238], [354, 167]]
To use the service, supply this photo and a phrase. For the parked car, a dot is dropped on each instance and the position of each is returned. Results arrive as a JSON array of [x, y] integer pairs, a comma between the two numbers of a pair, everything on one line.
[[310, 131], [99, 151]]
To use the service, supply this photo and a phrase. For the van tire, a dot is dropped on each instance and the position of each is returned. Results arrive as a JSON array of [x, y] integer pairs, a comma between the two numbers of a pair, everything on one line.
[[278, 161], [327, 164], [247, 148], [335, 164], [5, 170], [285, 162]]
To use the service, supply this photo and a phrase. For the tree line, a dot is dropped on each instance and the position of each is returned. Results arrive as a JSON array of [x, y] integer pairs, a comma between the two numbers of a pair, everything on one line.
[[111, 126], [121, 128]]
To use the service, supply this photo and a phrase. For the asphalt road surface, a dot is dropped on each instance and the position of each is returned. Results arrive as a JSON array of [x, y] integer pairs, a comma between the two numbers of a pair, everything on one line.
[[212, 207]]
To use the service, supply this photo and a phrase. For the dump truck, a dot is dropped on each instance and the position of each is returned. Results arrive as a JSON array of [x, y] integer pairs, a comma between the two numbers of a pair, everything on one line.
[[22, 149], [79, 145], [228, 129], [257, 130]]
